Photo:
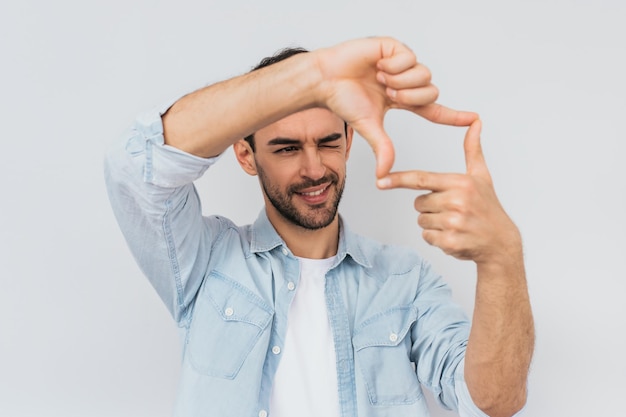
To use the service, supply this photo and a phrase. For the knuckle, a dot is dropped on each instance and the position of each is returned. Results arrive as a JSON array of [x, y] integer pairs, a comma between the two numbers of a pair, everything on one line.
[[435, 94], [454, 222], [457, 204], [450, 240], [436, 112], [466, 188], [422, 221], [429, 237], [419, 180], [449, 243], [426, 74], [417, 204]]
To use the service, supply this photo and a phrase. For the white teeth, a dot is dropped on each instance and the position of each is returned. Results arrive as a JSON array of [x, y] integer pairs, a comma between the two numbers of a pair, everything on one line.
[[314, 193]]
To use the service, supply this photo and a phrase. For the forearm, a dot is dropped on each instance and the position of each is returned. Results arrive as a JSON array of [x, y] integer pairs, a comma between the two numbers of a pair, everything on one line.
[[502, 337], [207, 121]]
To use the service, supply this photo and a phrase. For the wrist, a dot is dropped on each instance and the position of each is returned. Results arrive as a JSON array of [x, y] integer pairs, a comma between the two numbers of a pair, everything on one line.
[[319, 79], [507, 259]]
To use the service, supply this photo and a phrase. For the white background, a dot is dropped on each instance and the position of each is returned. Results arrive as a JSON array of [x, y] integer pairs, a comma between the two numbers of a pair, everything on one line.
[[81, 331]]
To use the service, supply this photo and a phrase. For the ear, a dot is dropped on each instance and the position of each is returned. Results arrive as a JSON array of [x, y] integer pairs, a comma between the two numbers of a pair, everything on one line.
[[349, 135], [245, 156]]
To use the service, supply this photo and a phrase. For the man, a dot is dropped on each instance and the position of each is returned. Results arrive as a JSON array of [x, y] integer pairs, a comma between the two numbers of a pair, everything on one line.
[[295, 315]]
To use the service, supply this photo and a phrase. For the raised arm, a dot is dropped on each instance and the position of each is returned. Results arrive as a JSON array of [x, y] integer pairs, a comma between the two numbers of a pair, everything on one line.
[[462, 216], [358, 80], [151, 185]]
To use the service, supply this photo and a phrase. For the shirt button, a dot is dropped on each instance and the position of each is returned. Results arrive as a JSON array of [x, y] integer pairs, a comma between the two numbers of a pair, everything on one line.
[[285, 251], [291, 286], [229, 312], [262, 413], [393, 337], [276, 350]]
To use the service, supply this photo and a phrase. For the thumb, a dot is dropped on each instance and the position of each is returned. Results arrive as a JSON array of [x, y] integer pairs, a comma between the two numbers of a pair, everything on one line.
[[381, 144], [474, 158]]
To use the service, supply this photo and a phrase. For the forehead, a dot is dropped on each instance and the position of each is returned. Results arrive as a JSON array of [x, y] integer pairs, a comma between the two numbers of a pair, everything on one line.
[[308, 124]]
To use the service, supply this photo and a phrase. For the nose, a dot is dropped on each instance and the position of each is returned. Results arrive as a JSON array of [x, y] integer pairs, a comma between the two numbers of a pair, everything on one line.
[[312, 165]]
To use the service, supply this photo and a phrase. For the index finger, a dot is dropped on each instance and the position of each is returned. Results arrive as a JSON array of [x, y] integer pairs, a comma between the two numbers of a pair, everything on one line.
[[414, 180], [398, 62], [440, 114]]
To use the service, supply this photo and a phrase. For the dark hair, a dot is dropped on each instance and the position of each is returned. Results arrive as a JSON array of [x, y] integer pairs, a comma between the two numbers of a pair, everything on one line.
[[281, 55], [270, 60]]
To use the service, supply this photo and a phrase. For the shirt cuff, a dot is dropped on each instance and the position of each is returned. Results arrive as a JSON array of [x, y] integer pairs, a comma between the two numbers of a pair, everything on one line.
[[466, 405], [163, 165]]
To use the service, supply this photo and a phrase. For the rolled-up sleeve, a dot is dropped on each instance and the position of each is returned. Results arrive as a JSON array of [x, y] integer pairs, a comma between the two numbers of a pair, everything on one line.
[[440, 340], [150, 187], [467, 408]]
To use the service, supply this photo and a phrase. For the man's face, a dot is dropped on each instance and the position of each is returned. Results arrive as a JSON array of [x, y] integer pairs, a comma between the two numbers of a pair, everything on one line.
[[301, 164]]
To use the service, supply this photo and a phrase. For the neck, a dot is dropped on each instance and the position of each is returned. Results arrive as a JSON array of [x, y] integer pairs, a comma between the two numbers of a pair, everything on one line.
[[306, 243]]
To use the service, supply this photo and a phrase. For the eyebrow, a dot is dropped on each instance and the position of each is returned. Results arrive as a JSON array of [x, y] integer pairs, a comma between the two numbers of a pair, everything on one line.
[[290, 141]]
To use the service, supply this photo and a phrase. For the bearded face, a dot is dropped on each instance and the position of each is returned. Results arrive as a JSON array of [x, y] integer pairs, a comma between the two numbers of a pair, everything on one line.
[[311, 204]]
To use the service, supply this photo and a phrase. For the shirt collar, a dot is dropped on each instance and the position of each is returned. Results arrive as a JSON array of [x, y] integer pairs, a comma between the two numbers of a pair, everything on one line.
[[265, 238]]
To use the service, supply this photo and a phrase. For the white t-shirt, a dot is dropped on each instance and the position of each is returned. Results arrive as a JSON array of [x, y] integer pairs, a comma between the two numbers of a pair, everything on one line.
[[305, 384]]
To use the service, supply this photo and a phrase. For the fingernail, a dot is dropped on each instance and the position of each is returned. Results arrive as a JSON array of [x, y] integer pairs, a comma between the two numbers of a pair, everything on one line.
[[392, 93], [381, 78], [383, 182]]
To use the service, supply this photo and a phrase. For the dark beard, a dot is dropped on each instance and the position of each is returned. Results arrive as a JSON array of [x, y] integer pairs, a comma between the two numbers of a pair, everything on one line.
[[324, 214]]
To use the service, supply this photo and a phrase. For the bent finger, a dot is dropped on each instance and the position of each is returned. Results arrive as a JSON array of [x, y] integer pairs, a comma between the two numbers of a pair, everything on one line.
[[433, 202], [432, 237], [409, 98], [399, 61], [416, 76], [429, 221]]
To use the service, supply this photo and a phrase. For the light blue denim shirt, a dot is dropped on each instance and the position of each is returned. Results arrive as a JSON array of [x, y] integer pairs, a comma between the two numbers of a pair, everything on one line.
[[229, 287]]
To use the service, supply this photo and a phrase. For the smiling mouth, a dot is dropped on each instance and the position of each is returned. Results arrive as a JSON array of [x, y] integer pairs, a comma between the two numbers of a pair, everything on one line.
[[314, 193]]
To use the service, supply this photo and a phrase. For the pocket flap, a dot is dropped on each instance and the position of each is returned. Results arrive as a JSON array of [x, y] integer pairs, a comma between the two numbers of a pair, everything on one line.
[[387, 328], [234, 302]]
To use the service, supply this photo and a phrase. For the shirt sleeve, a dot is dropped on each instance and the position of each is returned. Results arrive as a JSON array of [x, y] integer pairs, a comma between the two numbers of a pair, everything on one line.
[[466, 406], [150, 187], [440, 339]]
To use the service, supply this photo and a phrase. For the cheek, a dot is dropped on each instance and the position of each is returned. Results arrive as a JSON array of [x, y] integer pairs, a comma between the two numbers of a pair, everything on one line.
[[336, 164], [280, 175], [333, 157]]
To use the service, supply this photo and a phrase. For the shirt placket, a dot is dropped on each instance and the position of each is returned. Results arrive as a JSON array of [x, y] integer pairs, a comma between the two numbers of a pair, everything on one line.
[[340, 326], [286, 284]]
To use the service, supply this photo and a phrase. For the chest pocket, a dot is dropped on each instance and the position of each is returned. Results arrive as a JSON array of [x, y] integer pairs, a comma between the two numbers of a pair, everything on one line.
[[227, 322], [382, 351]]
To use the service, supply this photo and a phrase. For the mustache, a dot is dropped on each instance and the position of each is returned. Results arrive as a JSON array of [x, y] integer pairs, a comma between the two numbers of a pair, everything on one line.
[[296, 188]]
